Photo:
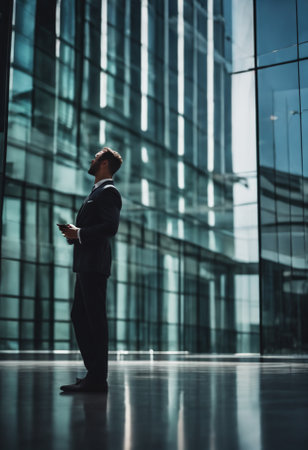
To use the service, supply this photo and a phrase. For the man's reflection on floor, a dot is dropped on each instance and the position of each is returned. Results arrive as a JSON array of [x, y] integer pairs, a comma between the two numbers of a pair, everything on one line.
[[88, 422]]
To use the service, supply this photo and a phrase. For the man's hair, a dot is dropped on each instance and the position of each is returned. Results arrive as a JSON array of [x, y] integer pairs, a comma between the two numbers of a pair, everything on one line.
[[114, 159]]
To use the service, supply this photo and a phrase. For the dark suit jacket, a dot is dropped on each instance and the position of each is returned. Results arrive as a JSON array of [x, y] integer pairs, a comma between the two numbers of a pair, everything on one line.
[[98, 219]]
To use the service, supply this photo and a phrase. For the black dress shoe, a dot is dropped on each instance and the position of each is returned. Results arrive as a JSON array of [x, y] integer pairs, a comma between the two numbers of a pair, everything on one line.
[[78, 380], [84, 385]]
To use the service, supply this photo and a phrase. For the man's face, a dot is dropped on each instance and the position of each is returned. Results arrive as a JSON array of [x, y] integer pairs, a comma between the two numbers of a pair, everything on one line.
[[95, 164]]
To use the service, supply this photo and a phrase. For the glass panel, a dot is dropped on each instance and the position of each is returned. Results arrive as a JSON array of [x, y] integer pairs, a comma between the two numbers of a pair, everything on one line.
[[304, 113], [168, 85], [283, 242], [302, 12], [276, 43], [239, 39]]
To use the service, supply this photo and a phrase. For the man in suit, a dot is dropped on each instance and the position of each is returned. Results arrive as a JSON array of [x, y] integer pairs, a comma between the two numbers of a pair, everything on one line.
[[97, 221]]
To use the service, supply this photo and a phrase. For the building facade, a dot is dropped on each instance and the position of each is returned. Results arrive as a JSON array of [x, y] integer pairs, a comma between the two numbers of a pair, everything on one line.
[[205, 101], [282, 70]]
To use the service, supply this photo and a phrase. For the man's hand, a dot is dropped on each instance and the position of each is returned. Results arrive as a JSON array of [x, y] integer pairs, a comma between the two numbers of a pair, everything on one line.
[[70, 232]]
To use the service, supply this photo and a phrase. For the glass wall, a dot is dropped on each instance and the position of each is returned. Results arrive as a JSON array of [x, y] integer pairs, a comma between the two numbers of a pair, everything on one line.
[[170, 85], [5, 47], [282, 115]]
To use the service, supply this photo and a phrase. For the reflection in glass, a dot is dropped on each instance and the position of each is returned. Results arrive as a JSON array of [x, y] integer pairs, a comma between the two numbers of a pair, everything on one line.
[[144, 65], [282, 202], [239, 34], [103, 53], [277, 43], [302, 11], [159, 82]]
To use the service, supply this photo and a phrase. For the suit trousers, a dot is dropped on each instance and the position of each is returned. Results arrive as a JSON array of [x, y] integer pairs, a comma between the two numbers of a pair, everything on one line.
[[89, 319]]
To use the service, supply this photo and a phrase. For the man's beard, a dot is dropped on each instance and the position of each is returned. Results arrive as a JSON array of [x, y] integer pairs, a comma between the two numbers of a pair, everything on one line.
[[93, 168]]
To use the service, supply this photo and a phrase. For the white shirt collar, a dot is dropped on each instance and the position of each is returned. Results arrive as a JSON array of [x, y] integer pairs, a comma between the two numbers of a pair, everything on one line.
[[96, 185]]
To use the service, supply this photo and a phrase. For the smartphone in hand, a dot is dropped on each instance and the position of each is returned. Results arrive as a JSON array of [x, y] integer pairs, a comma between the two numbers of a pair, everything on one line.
[[62, 226]]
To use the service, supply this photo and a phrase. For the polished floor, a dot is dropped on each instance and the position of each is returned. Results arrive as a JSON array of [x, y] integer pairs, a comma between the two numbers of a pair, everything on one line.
[[170, 402]]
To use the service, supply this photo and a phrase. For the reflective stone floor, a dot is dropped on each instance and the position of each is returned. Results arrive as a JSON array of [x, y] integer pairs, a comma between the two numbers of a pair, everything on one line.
[[157, 403]]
